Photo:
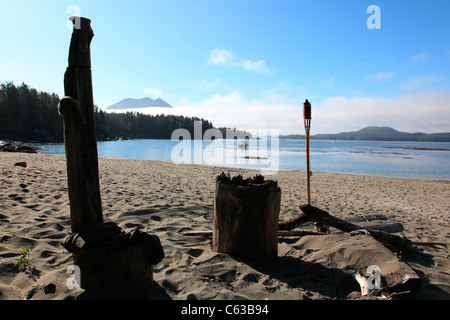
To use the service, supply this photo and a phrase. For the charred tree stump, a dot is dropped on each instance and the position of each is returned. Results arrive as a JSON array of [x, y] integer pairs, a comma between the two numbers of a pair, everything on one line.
[[246, 216], [123, 269]]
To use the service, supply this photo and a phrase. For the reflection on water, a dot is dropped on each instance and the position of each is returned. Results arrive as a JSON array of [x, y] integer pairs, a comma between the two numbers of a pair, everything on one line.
[[377, 158]]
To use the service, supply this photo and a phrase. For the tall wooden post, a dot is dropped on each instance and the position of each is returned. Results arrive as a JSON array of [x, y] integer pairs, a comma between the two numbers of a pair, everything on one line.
[[77, 110], [307, 123], [112, 261]]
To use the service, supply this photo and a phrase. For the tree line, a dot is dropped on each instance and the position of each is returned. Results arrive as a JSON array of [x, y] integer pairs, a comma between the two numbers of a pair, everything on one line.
[[26, 114], [142, 126], [29, 115]]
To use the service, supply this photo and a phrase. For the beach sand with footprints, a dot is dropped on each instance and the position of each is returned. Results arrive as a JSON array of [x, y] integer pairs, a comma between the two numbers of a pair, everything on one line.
[[170, 200]]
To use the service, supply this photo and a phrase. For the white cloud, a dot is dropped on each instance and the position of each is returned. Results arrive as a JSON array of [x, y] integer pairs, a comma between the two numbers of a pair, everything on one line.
[[284, 93], [157, 92], [420, 82], [258, 66], [425, 112], [205, 85], [331, 84], [420, 57], [234, 110], [226, 58], [221, 57], [381, 76]]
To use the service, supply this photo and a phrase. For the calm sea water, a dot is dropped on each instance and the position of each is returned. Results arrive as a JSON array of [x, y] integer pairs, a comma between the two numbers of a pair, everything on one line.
[[374, 158]]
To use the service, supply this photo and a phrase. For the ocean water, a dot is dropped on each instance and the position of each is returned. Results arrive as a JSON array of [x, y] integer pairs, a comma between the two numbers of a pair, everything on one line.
[[373, 158]]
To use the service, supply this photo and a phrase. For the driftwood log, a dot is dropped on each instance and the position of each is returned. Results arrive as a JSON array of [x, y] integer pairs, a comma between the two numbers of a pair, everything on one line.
[[77, 110], [294, 222], [376, 222], [246, 213], [390, 240], [281, 233], [117, 270]]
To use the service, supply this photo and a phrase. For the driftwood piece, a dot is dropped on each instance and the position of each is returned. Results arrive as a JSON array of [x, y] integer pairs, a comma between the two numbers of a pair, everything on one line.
[[390, 240], [430, 243], [77, 110], [202, 233], [124, 269], [112, 260], [298, 233], [246, 213], [375, 222], [294, 222], [281, 233]]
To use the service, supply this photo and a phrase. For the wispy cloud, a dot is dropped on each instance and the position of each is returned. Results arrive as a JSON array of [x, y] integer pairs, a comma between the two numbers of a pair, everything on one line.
[[331, 84], [221, 57], [420, 57], [226, 58], [258, 66], [284, 93], [156, 92], [210, 85], [421, 82], [425, 112], [381, 76]]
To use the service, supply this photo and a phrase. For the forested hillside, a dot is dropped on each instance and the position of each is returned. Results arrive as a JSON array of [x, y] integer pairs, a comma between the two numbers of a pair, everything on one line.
[[26, 114], [29, 115]]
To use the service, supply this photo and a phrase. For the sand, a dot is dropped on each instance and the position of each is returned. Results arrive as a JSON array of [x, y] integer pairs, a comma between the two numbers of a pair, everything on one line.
[[169, 200]]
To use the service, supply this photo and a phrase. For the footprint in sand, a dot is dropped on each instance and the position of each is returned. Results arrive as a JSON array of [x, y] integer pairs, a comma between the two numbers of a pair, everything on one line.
[[195, 252], [252, 277], [16, 197]]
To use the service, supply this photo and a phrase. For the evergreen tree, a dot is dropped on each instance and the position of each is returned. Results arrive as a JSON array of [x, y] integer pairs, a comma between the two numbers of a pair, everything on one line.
[[26, 114]]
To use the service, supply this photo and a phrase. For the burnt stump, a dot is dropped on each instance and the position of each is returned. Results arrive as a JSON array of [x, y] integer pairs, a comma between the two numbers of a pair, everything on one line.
[[246, 213]]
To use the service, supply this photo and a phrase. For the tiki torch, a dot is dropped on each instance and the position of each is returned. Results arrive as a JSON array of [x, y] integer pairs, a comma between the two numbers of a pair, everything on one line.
[[307, 122]]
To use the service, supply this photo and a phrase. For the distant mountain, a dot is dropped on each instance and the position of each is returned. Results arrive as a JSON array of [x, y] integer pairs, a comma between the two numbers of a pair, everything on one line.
[[374, 133], [139, 103]]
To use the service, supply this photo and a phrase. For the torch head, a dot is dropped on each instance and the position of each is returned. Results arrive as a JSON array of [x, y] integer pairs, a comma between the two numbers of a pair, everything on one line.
[[307, 110]]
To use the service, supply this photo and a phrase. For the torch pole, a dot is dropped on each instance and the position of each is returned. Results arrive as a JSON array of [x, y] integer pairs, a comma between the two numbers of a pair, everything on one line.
[[307, 123]]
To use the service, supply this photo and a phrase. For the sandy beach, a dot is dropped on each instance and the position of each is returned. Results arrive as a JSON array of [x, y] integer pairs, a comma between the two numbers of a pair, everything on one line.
[[169, 200]]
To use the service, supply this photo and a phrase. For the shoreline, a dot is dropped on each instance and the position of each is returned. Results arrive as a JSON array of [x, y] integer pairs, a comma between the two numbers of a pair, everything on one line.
[[170, 199], [279, 170], [360, 160], [246, 168]]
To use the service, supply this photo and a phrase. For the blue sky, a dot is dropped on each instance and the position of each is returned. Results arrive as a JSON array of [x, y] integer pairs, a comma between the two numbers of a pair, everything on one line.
[[245, 63]]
